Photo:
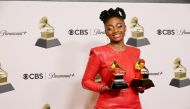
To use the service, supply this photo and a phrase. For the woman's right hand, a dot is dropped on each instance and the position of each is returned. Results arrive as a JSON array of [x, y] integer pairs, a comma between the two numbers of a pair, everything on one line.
[[104, 89]]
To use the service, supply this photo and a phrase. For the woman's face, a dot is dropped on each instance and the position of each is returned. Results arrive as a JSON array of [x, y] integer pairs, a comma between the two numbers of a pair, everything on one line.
[[115, 29]]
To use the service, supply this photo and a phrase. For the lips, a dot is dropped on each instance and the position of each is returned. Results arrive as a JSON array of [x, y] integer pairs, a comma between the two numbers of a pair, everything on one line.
[[116, 35]]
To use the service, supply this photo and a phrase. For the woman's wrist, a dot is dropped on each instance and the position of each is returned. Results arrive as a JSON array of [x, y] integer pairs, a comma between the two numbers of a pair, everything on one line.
[[104, 89], [141, 89]]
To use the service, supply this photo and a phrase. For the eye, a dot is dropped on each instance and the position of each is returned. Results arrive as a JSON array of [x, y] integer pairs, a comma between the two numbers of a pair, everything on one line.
[[119, 26], [109, 28]]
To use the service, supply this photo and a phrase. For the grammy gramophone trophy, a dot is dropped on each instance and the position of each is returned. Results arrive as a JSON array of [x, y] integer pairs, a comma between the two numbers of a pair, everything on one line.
[[117, 81], [142, 77], [137, 31], [180, 79], [46, 106], [4, 85], [47, 38]]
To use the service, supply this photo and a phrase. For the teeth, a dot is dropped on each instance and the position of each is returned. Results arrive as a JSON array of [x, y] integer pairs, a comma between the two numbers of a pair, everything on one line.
[[117, 35]]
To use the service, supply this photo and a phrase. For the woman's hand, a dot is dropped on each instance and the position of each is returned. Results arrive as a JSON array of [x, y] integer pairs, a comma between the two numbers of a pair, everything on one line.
[[141, 89], [104, 89]]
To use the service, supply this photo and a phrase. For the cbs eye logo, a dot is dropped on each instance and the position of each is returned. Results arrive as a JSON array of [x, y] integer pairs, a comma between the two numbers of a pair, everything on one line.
[[33, 76], [78, 32], [165, 32]]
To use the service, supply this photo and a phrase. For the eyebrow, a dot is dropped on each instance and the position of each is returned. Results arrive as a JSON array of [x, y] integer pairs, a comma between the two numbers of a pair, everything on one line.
[[116, 24]]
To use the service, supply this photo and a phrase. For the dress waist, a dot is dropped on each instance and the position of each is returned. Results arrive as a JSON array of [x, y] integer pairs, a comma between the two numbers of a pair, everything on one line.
[[125, 98]]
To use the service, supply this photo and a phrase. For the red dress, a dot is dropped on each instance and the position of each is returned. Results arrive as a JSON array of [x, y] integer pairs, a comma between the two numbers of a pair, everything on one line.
[[99, 62]]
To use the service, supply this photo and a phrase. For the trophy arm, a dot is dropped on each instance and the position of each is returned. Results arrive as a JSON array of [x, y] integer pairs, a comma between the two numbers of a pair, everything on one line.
[[140, 27], [50, 26], [184, 68], [4, 72], [146, 69]]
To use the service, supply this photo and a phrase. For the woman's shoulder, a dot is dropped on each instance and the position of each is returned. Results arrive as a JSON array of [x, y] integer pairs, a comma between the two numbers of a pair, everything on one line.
[[99, 47], [105, 48], [133, 48]]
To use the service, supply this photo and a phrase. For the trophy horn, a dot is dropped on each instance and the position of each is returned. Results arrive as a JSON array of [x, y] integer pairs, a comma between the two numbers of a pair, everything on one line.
[[134, 22], [114, 65], [140, 64], [46, 106], [43, 22], [177, 63]]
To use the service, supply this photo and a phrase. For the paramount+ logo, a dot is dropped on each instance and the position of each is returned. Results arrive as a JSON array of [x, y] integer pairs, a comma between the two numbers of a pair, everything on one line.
[[51, 75]]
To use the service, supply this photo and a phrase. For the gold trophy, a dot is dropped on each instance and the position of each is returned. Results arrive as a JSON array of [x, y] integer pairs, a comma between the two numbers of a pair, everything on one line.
[[137, 31], [98, 78], [142, 78], [46, 106], [47, 39], [118, 73], [180, 79], [4, 85]]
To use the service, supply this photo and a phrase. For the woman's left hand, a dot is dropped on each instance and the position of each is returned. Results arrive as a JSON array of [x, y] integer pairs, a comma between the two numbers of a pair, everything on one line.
[[140, 89]]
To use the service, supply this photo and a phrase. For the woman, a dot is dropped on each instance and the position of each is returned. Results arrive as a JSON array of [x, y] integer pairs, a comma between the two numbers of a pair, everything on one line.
[[100, 62]]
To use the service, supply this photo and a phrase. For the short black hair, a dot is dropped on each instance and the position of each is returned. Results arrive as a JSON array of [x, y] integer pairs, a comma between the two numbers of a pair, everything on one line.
[[107, 14]]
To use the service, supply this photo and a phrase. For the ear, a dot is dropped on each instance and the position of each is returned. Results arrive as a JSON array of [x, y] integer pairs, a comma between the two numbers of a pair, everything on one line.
[[105, 30], [125, 27]]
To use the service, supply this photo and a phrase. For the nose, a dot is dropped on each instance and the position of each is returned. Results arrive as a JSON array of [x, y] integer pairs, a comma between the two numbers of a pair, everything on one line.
[[116, 30]]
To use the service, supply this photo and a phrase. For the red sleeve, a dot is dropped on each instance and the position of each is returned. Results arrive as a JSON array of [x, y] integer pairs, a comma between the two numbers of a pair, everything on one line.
[[138, 53], [92, 68], [137, 56]]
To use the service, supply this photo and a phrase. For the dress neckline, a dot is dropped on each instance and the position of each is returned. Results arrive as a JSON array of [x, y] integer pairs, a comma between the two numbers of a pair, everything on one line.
[[126, 48]]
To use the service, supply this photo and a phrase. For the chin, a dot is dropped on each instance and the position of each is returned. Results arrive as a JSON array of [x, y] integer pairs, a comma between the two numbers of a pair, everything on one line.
[[117, 41]]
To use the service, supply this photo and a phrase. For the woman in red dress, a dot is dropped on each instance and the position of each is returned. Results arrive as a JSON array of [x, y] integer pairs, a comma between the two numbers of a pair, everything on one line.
[[101, 59]]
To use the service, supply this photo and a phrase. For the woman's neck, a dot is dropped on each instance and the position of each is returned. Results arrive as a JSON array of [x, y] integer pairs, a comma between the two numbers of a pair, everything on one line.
[[117, 46]]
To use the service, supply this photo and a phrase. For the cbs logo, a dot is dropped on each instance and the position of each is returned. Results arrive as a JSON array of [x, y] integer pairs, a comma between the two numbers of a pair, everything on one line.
[[33, 76], [166, 32], [78, 32]]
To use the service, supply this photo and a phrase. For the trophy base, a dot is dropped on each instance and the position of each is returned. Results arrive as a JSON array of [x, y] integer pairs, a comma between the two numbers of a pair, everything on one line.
[[138, 42], [119, 85], [145, 76], [5, 87], [47, 43], [147, 83], [180, 83]]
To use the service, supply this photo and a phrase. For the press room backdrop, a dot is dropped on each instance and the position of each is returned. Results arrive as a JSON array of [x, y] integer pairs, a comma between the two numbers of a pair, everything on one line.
[[53, 75]]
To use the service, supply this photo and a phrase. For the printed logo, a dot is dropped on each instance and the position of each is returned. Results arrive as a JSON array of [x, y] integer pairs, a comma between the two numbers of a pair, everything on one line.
[[78, 32], [5, 86], [172, 32], [46, 106], [85, 32], [53, 75], [98, 32], [166, 32], [33, 76], [137, 33], [8, 33], [47, 39], [180, 79]]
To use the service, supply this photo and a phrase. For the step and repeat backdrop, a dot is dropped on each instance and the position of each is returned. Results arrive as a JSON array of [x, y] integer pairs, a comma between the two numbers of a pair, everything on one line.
[[44, 49]]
